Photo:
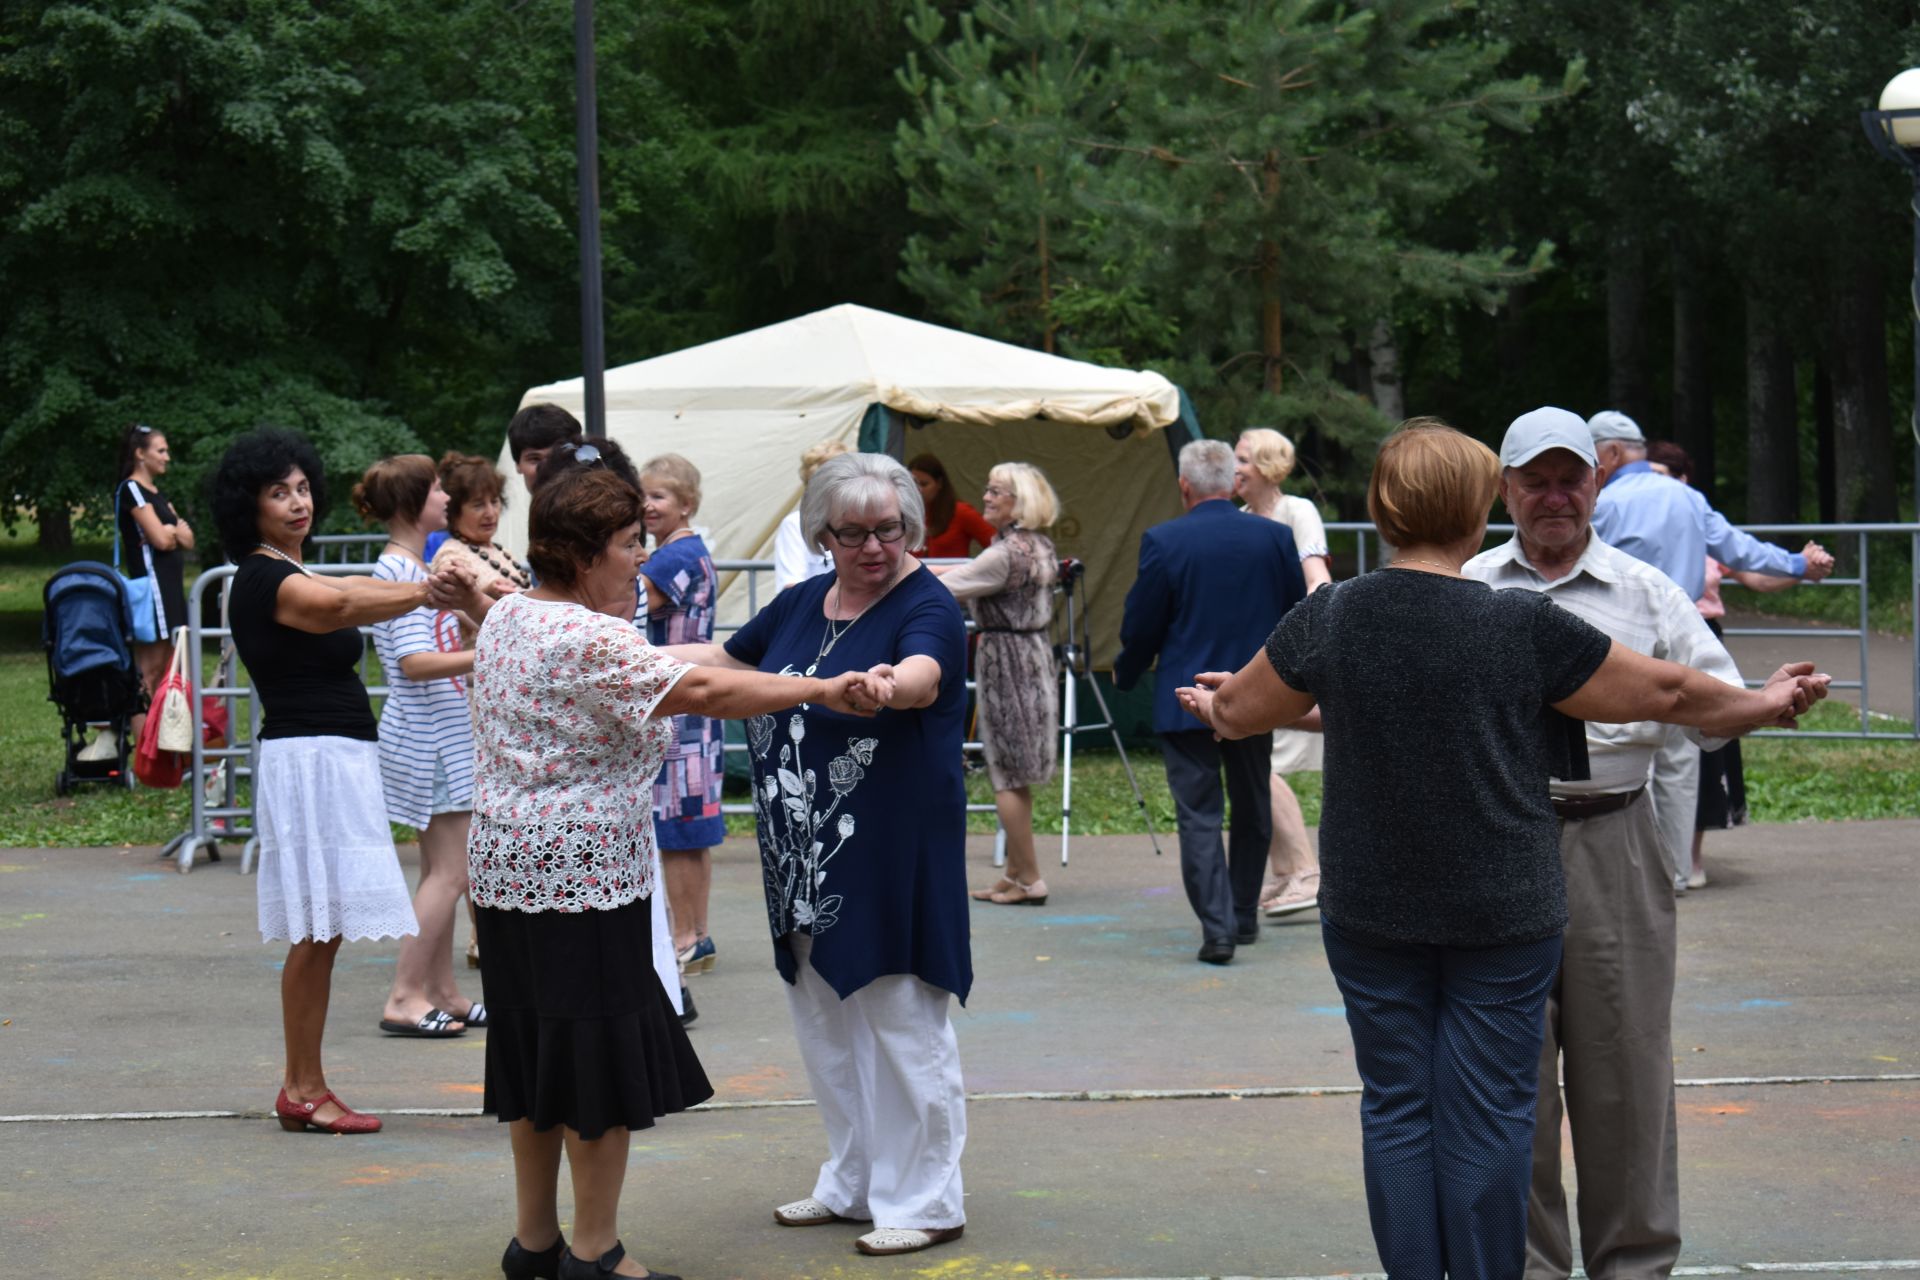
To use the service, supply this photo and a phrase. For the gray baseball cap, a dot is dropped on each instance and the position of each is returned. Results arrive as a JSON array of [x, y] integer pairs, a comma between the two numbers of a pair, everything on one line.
[[1611, 424], [1532, 434]]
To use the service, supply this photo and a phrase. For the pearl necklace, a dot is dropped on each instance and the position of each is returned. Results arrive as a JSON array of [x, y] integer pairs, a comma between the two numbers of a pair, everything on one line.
[[278, 554]]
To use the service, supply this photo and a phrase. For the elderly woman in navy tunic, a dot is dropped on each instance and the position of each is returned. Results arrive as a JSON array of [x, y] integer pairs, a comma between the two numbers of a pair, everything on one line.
[[862, 828]]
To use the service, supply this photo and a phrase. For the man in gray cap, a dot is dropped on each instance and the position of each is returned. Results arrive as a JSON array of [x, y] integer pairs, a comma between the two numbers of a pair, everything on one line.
[[1671, 526], [1610, 1014]]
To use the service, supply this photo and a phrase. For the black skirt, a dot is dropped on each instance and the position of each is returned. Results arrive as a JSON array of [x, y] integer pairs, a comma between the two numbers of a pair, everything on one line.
[[1723, 782], [579, 1032]]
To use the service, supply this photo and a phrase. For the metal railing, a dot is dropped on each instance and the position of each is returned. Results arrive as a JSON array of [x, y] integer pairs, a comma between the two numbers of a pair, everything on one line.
[[1368, 549], [229, 816]]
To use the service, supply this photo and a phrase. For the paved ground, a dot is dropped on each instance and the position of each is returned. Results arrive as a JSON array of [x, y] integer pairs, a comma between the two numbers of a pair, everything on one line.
[[126, 989]]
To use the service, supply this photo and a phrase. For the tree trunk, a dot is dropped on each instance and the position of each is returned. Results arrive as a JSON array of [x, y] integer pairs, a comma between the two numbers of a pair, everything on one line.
[[1692, 367], [1628, 383], [1773, 426], [56, 528], [1383, 359], [1823, 440], [1862, 409]]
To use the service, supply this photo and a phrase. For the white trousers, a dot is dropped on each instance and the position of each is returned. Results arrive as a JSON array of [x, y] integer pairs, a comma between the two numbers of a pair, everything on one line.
[[885, 1069], [1676, 798]]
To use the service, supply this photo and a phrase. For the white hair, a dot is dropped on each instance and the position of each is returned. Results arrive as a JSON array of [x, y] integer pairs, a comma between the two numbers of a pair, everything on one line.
[[1207, 467], [858, 482]]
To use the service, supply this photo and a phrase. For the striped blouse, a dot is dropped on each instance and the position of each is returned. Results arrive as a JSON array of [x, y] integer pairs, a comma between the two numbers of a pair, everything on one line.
[[425, 728]]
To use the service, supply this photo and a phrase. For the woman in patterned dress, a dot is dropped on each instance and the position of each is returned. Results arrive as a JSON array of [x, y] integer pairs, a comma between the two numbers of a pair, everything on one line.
[[682, 590], [1011, 588], [426, 747], [573, 707], [1262, 460]]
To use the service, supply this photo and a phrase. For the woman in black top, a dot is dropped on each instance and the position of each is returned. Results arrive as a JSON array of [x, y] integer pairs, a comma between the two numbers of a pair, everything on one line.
[[1447, 706], [328, 869], [153, 539]]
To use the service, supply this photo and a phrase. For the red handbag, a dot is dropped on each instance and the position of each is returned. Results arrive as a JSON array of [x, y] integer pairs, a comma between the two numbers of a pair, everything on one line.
[[153, 767]]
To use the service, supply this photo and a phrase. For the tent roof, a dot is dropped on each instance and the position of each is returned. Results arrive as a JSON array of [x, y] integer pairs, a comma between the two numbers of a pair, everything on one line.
[[852, 353]]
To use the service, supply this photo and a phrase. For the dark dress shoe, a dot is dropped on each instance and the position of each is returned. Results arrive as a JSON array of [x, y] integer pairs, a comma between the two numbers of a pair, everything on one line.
[[522, 1263], [1216, 953], [572, 1268], [1248, 935], [688, 1015]]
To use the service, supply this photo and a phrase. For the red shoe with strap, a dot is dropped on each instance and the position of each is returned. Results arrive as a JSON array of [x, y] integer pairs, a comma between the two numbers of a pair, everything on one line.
[[296, 1117]]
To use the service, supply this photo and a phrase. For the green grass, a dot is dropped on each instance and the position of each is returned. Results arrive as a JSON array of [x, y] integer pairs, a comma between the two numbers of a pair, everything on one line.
[[1787, 780]]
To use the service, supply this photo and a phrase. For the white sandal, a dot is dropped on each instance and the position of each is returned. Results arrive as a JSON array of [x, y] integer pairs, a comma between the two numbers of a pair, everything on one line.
[[807, 1213], [891, 1240]]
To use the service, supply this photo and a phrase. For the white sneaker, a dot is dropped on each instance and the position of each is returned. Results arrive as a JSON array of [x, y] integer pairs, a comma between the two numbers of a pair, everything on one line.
[[103, 748]]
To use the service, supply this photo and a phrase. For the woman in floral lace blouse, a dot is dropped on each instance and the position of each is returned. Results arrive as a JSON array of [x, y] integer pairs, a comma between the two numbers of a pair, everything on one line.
[[573, 719]]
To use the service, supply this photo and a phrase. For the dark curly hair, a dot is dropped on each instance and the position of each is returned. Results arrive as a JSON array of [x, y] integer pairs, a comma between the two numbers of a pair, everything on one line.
[[251, 463], [571, 519]]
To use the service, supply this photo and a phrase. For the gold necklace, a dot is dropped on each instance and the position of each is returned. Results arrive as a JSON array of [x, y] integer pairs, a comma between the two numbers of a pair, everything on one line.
[[1431, 564]]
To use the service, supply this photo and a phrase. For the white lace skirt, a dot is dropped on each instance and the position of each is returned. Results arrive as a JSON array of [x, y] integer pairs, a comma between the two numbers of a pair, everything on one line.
[[328, 868]]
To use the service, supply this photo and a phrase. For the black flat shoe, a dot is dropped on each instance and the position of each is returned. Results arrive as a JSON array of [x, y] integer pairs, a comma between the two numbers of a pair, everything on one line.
[[572, 1268], [688, 1014], [522, 1263], [1247, 936], [1216, 953]]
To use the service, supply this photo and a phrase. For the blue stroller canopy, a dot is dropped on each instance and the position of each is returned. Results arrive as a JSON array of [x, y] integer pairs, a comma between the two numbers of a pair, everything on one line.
[[89, 620]]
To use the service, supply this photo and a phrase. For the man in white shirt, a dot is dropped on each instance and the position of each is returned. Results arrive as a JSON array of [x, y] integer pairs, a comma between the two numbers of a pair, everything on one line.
[[1610, 1015]]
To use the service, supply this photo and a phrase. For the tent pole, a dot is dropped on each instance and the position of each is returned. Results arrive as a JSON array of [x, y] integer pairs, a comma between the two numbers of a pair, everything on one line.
[[593, 343]]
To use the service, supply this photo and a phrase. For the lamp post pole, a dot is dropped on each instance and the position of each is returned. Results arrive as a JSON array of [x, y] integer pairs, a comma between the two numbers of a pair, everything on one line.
[[593, 341], [1894, 130]]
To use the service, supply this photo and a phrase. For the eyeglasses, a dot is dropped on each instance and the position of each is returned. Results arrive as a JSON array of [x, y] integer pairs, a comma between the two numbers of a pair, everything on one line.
[[995, 491], [588, 455], [853, 536]]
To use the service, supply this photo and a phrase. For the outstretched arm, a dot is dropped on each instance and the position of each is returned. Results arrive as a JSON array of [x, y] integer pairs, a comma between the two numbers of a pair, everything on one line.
[[1252, 700], [1631, 686]]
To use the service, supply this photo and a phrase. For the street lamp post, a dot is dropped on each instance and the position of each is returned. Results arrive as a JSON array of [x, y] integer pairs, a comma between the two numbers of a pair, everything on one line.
[[1894, 130], [593, 342]]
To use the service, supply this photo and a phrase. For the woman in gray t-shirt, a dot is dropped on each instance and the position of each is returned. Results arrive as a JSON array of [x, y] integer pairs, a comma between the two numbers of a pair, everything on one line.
[[1447, 705]]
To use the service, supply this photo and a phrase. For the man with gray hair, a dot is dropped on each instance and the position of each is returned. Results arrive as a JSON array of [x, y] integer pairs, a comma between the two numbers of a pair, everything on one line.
[[1671, 526], [1609, 1016], [1211, 587]]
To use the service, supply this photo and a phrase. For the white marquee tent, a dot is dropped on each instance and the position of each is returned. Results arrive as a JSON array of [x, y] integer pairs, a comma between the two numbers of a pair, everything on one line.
[[742, 409]]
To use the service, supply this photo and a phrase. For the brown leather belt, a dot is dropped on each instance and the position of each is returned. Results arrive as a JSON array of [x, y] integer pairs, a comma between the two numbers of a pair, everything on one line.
[[1580, 808]]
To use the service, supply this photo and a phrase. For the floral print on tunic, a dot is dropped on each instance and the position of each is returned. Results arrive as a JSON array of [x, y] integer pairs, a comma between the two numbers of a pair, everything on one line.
[[799, 832]]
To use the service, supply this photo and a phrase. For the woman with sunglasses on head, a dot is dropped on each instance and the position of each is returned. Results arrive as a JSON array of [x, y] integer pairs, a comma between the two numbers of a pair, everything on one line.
[[862, 827], [152, 539]]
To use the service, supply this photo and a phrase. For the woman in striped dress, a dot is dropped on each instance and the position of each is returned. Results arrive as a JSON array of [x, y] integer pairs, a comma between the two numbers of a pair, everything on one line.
[[426, 747]]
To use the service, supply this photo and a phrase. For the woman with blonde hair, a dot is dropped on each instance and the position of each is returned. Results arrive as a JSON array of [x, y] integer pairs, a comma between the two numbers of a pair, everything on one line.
[[1262, 460], [1010, 586], [793, 560], [682, 590], [426, 746]]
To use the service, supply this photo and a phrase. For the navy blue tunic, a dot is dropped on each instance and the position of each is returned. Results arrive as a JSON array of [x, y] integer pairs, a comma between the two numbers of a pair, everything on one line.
[[862, 822]]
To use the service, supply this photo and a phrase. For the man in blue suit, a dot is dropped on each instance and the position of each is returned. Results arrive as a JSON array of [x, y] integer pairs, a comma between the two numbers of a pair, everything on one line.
[[1212, 586]]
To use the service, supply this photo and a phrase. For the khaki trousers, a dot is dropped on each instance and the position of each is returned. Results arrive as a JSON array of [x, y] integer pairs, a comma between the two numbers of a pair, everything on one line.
[[1676, 797], [1609, 1025]]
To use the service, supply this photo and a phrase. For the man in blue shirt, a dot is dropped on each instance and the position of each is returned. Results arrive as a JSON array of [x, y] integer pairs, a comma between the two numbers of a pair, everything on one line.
[[1212, 585], [1669, 525]]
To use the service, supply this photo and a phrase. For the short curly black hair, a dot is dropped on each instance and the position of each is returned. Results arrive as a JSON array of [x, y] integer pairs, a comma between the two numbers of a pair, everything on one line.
[[251, 463]]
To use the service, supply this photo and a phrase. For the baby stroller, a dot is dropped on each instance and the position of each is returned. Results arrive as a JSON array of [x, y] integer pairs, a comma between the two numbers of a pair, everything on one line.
[[87, 631]]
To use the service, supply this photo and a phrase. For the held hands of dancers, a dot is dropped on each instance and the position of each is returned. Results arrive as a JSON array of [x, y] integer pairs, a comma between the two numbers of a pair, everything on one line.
[[1788, 694], [859, 693], [452, 586]]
